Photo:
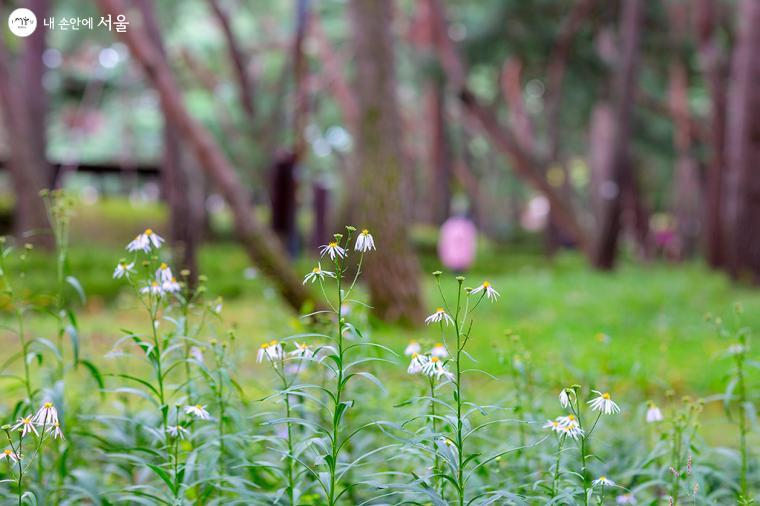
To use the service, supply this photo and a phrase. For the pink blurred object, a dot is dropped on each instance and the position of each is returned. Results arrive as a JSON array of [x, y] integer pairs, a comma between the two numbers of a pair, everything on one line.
[[457, 243]]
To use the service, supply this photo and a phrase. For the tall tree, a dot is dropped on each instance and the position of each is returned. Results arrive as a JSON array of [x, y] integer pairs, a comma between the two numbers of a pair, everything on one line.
[[715, 69], [686, 188], [260, 246], [393, 272], [424, 34], [621, 169], [742, 195], [24, 102], [178, 175]]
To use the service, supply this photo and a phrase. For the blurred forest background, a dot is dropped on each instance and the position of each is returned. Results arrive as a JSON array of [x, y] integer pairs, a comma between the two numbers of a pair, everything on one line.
[[626, 128]]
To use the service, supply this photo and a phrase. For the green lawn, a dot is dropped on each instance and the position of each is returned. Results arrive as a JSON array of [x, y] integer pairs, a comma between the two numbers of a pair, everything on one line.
[[639, 332]]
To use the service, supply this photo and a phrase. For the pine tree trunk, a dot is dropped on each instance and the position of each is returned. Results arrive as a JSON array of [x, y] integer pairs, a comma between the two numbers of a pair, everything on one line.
[[605, 249], [24, 102], [715, 69], [743, 149], [392, 271]]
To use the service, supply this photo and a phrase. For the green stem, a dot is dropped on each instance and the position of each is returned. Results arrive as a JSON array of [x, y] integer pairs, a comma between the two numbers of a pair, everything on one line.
[[458, 386], [555, 481], [436, 461], [741, 387]]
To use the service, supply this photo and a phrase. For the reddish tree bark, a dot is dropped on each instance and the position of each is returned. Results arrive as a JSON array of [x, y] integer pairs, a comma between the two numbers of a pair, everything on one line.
[[715, 70], [24, 102], [511, 86], [244, 82], [392, 271], [424, 33], [625, 82], [264, 251], [742, 195]]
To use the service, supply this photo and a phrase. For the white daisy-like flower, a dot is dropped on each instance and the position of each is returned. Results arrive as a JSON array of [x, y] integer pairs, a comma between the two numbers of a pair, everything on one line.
[[553, 425], [262, 352], [26, 425], [153, 288], [574, 431], [364, 241], [171, 286], [196, 353], [439, 315], [46, 415], [164, 273], [448, 445], [123, 269], [412, 348], [56, 430], [417, 364], [199, 411], [177, 431], [567, 421], [435, 367], [604, 403], [564, 397], [145, 241], [302, 351], [653, 413], [317, 274], [736, 349], [439, 350], [626, 499], [332, 250], [603, 481], [10, 455], [491, 294], [271, 350]]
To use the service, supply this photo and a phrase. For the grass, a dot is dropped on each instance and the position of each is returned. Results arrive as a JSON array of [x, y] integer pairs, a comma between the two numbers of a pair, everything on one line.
[[638, 330]]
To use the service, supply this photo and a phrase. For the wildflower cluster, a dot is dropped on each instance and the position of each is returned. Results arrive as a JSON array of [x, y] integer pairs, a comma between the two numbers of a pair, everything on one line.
[[172, 424]]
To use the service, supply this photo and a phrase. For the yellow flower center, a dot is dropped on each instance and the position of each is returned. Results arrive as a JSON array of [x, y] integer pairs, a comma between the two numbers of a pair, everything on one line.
[[486, 284], [606, 396], [148, 231], [415, 355], [603, 478], [333, 245], [435, 359], [8, 452], [365, 232], [164, 266], [48, 405], [265, 346], [154, 284], [27, 421], [198, 407], [571, 417], [273, 342], [439, 310], [438, 345], [174, 280]]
